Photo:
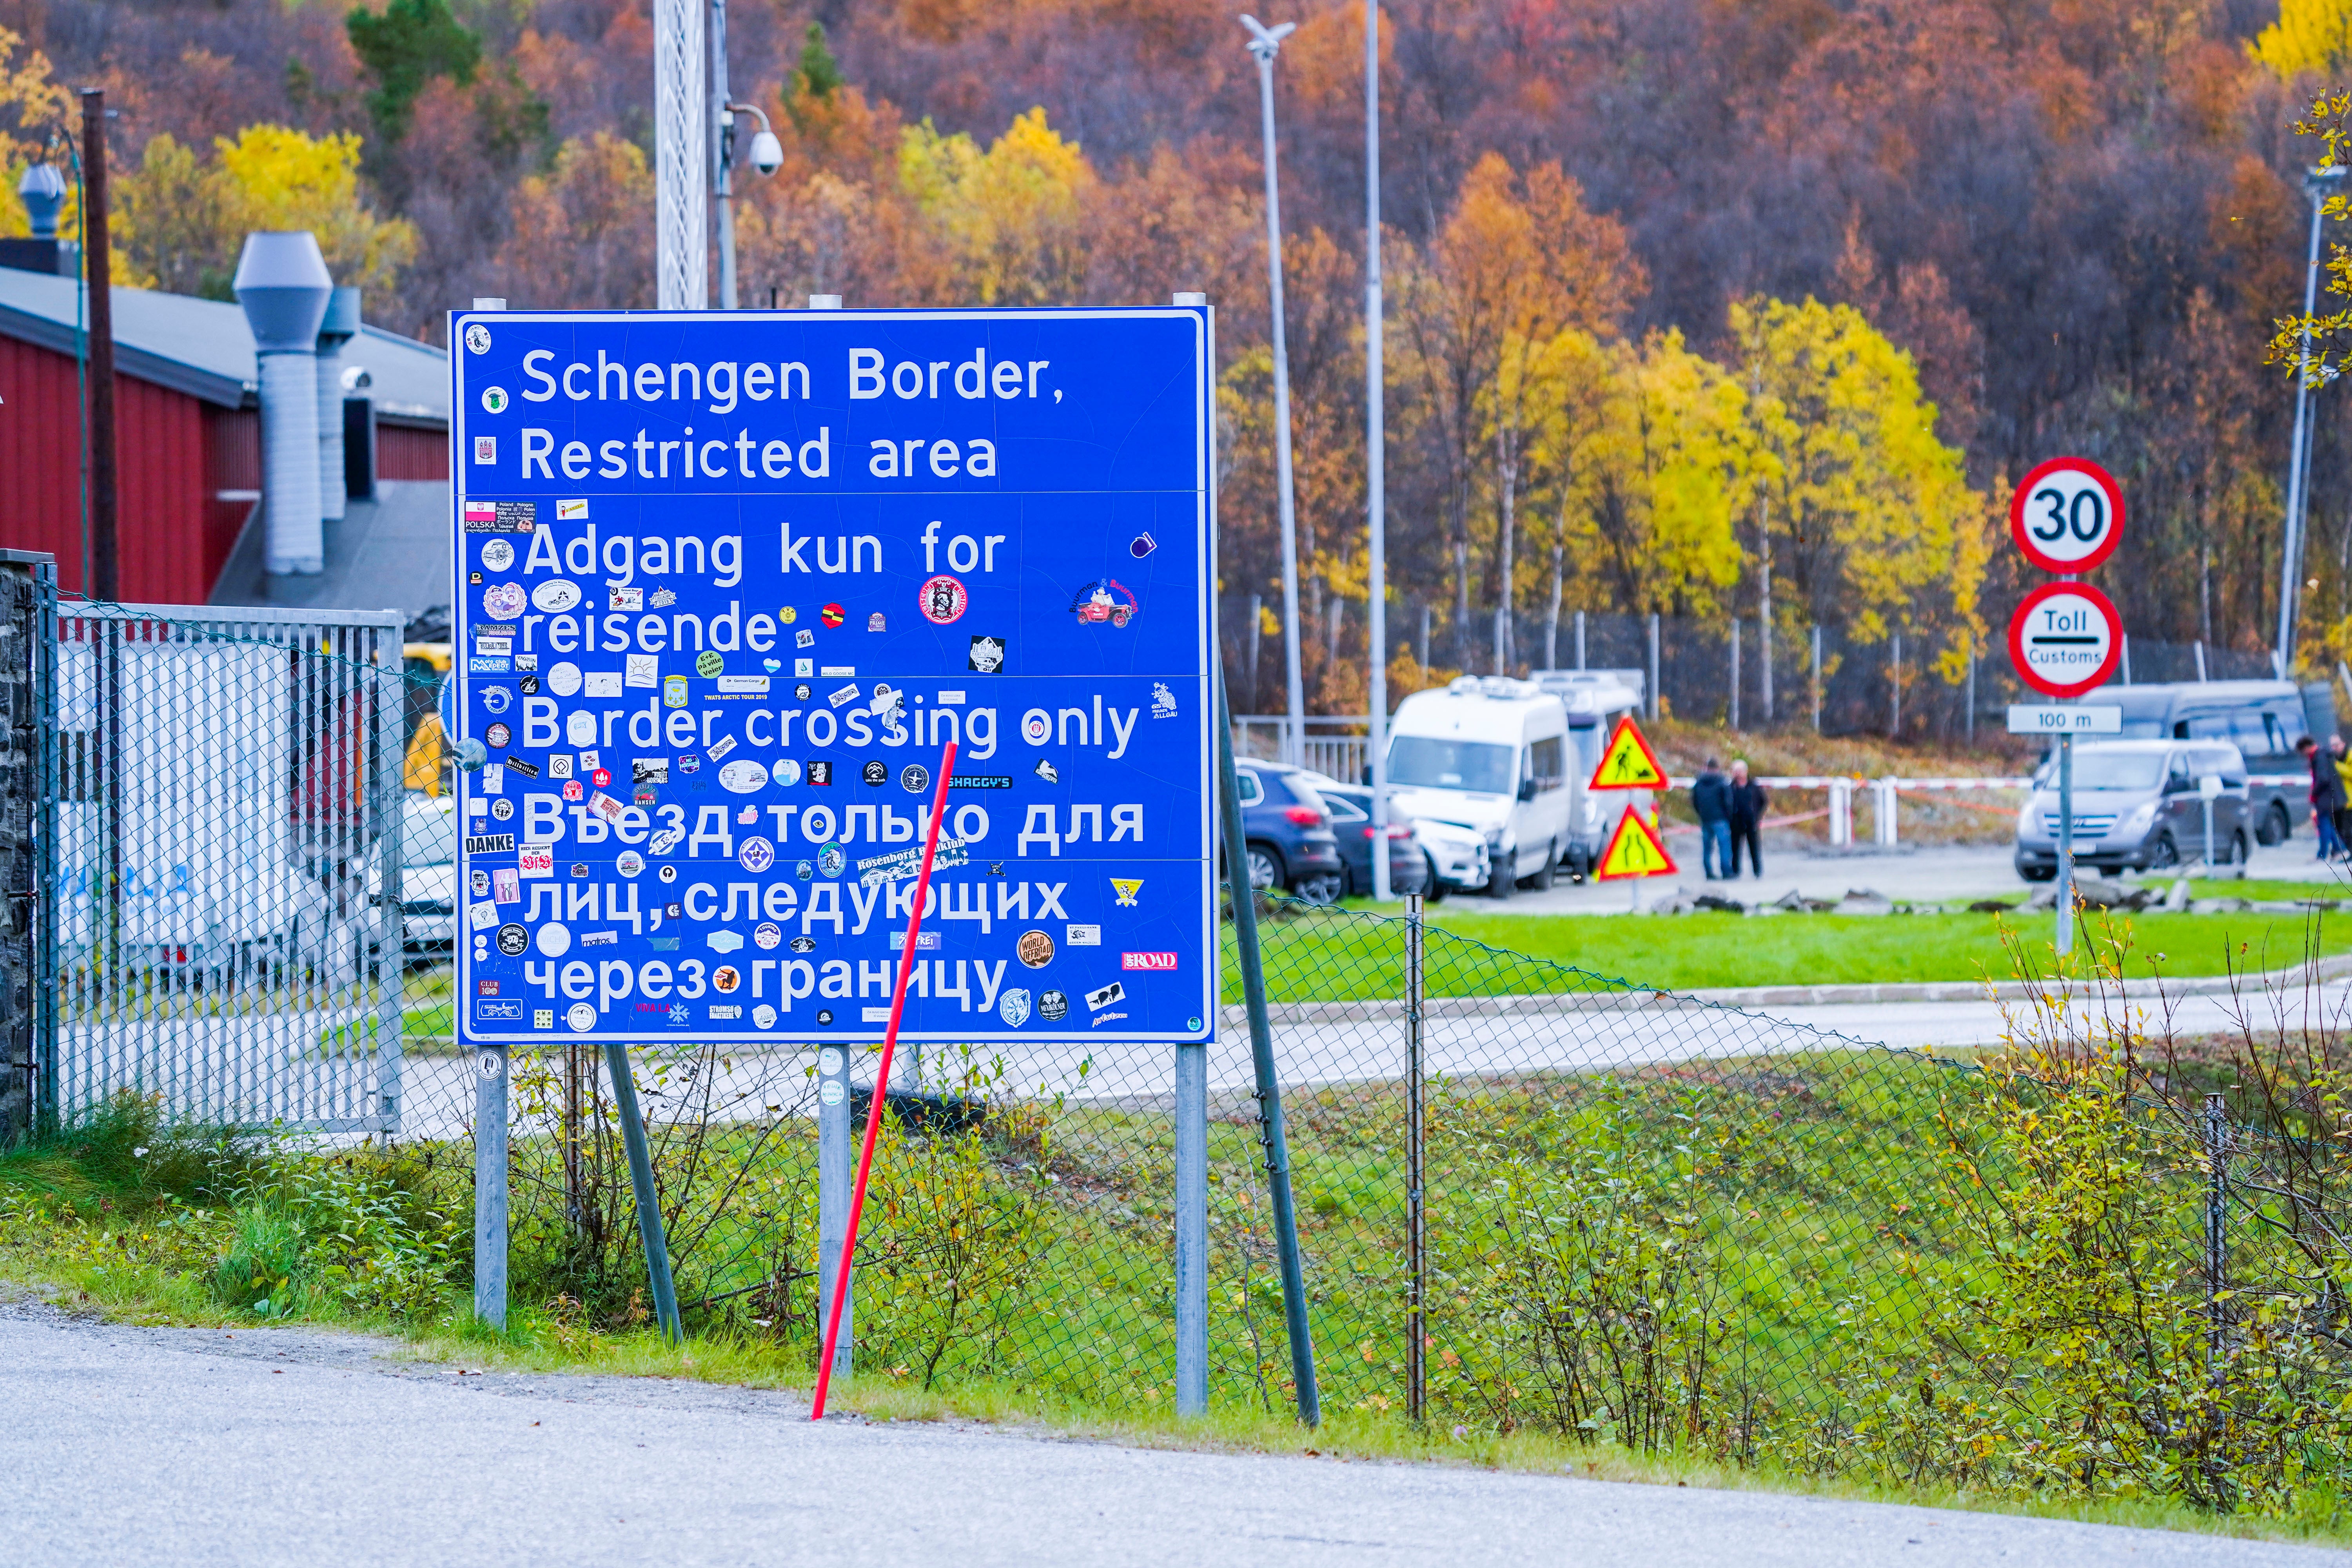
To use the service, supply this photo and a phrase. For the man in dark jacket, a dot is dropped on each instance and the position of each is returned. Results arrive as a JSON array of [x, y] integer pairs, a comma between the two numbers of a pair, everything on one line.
[[1711, 798], [2326, 795], [1746, 804]]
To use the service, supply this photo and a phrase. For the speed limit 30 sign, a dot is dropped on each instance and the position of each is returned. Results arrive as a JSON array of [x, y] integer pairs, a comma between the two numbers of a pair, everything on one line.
[[2068, 515], [2066, 639]]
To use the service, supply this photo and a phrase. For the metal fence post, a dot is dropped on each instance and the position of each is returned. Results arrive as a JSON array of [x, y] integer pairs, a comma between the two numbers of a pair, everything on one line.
[[649, 1197], [490, 1185], [1817, 678], [45, 998], [1579, 639], [835, 1148], [1735, 672], [1894, 688], [1192, 1229], [1969, 722], [2216, 1130], [1269, 1087], [1654, 664], [1416, 1364], [2217, 1213]]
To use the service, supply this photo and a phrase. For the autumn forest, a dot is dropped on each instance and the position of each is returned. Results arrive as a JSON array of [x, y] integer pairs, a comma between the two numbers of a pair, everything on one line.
[[1712, 308]]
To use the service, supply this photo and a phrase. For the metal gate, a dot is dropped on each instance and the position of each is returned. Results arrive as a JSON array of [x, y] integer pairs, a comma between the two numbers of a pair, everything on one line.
[[220, 858]]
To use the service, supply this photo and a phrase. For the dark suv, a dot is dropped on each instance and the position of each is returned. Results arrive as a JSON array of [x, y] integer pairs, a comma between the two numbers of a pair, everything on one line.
[[1288, 830]]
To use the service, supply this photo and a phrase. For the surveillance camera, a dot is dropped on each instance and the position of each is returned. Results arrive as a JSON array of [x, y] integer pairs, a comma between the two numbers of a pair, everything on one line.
[[767, 153]]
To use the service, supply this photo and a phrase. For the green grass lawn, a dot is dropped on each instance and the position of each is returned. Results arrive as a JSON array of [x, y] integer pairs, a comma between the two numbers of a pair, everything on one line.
[[1348, 957]]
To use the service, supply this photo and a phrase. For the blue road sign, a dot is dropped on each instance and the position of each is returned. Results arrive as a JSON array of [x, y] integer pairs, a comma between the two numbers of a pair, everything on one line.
[[727, 584]]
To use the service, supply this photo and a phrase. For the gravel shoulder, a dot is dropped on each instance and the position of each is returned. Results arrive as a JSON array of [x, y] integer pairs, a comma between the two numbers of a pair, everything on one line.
[[265, 1447]]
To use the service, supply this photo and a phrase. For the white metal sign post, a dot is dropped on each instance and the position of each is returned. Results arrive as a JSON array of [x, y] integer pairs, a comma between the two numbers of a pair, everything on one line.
[[2066, 637]]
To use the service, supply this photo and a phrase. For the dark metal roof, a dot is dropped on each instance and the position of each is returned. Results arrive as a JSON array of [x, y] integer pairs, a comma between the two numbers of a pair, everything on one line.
[[203, 348]]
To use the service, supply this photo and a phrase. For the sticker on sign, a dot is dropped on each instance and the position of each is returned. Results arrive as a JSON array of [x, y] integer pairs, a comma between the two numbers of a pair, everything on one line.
[[2024, 718], [2068, 515], [2066, 639]]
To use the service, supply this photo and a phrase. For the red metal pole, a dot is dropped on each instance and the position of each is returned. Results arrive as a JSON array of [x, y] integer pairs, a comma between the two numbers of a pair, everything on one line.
[[881, 1086]]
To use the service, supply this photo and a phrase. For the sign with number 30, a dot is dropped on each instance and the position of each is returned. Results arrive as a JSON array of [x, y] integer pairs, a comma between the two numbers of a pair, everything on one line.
[[2068, 515]]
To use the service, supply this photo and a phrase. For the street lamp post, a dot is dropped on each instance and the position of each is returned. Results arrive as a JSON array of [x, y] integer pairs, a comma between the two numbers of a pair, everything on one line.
[[1265, 44], [767, 153], [1375, 459], [2320, 183]]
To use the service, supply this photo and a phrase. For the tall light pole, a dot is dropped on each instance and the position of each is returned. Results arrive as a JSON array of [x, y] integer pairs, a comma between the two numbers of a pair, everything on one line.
[[1375, 458], [681, 210], [2319, 183], [767, 153], [1265, 44], [723, 153]]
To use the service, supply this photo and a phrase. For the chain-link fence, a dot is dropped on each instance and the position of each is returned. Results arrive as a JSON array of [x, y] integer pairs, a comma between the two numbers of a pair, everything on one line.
[[1529, 1197], [1795, 676], [219, 806]]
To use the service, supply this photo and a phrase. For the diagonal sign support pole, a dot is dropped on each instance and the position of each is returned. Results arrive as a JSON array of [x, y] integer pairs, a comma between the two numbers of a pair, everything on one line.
[[876, 1108]]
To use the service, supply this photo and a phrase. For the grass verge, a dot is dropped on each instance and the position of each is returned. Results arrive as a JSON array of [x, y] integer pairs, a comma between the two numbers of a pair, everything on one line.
[[1705, 951]]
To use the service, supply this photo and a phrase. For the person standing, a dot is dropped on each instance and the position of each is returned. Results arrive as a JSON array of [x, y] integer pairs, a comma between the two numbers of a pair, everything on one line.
[[2327, 796], [1746, 813], [2335, 753], [1711, 798]]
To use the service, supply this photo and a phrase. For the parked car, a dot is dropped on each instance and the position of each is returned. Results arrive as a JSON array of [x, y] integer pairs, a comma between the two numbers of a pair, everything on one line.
[[1490, 754], [428, 873], [2263, 719], [1352, 824], [1458, 857], [2139, 804], [1288, 829]]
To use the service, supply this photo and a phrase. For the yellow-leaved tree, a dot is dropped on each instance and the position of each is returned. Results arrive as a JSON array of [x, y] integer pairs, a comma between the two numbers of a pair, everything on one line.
[[1654, 477], [1009, 217], [2310, 35], [1858, 516], [182, 221], [1520, 258]]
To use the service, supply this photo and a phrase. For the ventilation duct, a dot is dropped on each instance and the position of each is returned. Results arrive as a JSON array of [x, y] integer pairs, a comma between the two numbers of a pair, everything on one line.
[[282, 282]]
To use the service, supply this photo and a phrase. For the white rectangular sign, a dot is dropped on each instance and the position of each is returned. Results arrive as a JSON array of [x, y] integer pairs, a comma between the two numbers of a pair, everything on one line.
[[2068, 720]]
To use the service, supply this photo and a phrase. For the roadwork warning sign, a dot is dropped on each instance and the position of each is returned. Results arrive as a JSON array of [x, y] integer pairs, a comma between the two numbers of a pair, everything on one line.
[[1635, 850], [1628, 763]]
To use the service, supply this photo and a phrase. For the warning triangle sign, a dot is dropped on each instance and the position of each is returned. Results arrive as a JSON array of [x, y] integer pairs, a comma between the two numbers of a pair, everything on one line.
[[1628, 763], [1635, 850]]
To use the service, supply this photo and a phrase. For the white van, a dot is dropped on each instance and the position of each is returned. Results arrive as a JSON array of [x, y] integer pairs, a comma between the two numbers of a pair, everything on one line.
[[1491, 754], [1595, 701]]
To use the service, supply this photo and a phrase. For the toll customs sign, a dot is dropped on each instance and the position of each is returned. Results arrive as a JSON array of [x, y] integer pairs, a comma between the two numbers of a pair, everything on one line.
[[726, 586]]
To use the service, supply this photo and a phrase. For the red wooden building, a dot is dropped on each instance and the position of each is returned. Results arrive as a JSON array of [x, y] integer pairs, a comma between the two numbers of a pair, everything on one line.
[[189, 450]]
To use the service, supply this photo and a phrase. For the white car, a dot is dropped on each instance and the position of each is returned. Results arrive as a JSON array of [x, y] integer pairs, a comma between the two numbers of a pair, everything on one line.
[[1457, 856], [428, 873]]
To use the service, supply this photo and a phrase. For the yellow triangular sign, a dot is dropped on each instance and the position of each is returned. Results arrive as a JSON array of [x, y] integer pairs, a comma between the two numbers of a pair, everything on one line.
[[1635, 850], [1628, 763]]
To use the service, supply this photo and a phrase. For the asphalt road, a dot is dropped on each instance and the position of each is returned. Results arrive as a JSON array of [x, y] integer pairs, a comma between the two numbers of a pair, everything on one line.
[[136, 1446]]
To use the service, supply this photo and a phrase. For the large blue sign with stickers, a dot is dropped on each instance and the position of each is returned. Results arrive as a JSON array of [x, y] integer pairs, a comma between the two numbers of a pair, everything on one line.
[[728, 584]]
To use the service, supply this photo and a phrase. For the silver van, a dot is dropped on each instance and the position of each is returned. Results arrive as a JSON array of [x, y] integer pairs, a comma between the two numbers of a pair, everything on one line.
[[2264, 719], [2138, 804]]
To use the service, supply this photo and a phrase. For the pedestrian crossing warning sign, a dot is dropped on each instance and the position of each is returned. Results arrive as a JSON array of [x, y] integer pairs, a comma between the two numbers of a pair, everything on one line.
[[1635, 850], [1628, 763]]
